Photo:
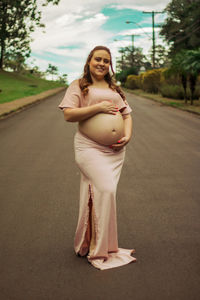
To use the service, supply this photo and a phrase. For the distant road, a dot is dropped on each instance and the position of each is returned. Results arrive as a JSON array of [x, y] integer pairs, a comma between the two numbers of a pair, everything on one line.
[[158, 205]]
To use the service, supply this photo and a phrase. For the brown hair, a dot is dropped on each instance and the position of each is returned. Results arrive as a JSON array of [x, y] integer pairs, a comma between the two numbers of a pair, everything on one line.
[[86, 79]]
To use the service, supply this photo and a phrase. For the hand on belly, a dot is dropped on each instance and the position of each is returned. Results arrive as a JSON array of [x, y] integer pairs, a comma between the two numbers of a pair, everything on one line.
[[105, 129]]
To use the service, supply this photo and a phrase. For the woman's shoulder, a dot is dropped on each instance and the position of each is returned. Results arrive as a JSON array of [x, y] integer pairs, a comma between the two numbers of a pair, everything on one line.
[[74, 86], [74, 83]]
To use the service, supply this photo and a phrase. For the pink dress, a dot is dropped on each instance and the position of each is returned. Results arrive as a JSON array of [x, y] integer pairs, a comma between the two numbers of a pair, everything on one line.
[[100, 168]]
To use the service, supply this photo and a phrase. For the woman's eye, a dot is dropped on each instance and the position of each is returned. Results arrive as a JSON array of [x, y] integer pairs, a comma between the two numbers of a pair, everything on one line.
[[98, 58], [106, 61]]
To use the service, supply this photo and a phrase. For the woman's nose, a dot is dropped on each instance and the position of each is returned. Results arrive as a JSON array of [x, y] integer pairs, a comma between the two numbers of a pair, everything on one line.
[[101, 62]]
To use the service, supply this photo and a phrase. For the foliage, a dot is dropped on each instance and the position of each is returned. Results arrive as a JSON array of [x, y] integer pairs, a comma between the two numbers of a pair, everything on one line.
[[35, 71], [151, 80], [191, 64], [132, 82], [18, 18], [121, 76], [186, 64], [63, 79], [161, 56], [181, 28], [177, 92], [52, 70], [131, 58], [172, 91]]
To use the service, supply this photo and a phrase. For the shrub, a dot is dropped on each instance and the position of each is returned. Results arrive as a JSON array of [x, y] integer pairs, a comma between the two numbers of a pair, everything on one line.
[[140, 80], [177, 92], [132, 82], [151, 80], [124, 73], [172, 91], [171, 78]]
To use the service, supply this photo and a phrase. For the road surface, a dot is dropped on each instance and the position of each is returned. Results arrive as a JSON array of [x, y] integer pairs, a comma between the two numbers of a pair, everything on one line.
[[158, 213]]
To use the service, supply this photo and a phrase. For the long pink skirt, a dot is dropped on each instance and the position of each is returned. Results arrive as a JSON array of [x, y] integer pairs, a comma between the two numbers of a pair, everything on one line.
[[96, 232]]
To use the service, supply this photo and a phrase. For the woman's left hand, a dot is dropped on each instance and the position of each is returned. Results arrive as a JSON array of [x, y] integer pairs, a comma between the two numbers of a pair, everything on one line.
[[120, 144]]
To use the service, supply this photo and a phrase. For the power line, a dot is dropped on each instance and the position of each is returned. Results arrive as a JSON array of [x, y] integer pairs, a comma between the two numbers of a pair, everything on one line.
[[128, 22]]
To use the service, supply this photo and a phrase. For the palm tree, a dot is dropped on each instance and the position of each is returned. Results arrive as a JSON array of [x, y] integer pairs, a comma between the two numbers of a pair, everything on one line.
[[186, 64], [191, 65], [177, 68]]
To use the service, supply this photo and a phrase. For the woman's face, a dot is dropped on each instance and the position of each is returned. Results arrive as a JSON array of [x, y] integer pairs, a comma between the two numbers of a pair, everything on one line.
[[99, 64]]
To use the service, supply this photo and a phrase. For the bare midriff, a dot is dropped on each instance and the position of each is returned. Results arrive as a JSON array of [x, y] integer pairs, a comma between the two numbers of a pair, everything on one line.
[[105, 129]]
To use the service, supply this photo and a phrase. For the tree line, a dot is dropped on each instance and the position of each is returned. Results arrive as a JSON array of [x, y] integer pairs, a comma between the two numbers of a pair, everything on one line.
[[181, 31]]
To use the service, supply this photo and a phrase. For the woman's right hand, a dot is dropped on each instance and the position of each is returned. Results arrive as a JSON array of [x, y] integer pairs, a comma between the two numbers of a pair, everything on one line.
[[108, 107]]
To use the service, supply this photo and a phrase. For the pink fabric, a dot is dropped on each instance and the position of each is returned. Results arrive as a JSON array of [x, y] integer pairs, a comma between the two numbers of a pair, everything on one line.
[[73, 98], [100, 169]]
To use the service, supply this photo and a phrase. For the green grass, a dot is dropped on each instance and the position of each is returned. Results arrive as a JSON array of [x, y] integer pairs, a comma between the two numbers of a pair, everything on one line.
[[195, 108], [14, 86]]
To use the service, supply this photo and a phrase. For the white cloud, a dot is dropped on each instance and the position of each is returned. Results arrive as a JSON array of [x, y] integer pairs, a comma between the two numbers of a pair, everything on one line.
[[139, 31], [78, 24], [59, 32], [98, 18]]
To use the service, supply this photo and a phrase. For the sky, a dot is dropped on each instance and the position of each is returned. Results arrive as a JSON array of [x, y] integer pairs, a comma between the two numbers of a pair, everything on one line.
[[75, 27]]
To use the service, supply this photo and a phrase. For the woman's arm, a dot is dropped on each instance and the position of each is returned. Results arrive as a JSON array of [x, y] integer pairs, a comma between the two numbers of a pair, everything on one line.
[[128, 130], [83, 113], [128, 126]]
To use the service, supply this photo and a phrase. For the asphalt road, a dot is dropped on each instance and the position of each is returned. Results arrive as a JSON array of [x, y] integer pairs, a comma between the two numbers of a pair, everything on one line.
[[158, 211]]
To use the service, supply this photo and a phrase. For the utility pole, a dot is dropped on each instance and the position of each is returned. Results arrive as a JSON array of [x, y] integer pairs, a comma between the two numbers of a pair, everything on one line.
[[153, 33], [132, 47], [122, 58]]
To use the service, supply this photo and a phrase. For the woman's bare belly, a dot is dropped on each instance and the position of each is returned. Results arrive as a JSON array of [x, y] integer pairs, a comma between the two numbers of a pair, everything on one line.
[[105, 129]]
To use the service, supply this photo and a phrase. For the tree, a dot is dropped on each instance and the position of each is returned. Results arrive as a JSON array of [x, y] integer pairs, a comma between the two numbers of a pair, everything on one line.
[[186, 64], [52, 70], [181, 28], [18, 18], [191, 64], [15, 62], [161, 56], [63, 78], [177, 68], [132, 59], [121, 76]]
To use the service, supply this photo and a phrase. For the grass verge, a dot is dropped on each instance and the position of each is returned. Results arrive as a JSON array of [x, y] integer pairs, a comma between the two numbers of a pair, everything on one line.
[[14, 86], [195, 108]]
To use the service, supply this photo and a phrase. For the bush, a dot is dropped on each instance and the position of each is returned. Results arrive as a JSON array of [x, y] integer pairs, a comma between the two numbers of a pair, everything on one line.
[[172, 91], [177, 92], [132, 82], [124, 73], [151, 80]]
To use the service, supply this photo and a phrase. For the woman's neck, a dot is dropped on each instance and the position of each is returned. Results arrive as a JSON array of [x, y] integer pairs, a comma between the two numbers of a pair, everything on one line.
[[99, 82]]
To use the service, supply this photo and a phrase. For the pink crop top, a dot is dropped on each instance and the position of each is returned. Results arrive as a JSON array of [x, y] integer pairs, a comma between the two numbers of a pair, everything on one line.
[[73, 97]]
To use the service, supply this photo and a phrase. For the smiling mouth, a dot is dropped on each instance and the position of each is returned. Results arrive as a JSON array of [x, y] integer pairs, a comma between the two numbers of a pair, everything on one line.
[[100, 69]]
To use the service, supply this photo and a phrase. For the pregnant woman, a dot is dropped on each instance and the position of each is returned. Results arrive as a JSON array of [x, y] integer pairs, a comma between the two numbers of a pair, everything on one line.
[[104, 128]]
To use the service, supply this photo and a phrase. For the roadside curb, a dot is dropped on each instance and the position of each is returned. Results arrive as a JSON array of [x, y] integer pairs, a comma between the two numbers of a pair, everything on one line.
[[12, 107]]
